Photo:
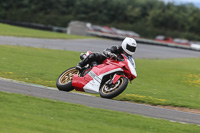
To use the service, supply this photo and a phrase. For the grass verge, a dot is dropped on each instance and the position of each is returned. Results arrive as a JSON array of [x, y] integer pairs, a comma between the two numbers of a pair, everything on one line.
[[174, 82], [27, 114], [8, 30]]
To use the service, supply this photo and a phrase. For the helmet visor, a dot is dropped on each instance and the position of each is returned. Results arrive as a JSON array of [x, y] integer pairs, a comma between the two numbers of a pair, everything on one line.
[[130, 48]]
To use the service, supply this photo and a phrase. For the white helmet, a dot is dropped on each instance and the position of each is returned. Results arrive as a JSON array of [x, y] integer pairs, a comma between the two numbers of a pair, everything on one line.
[[129, 45]]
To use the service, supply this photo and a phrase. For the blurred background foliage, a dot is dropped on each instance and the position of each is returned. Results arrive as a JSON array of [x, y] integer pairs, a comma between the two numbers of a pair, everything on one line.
[[146, 17]]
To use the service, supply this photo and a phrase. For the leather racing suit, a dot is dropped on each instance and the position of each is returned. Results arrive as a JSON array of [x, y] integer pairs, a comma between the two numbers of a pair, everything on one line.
[[113, 52]]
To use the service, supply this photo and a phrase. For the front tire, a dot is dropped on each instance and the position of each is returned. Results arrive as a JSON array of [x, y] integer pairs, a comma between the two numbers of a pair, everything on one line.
[[64, 81], [115, 89]]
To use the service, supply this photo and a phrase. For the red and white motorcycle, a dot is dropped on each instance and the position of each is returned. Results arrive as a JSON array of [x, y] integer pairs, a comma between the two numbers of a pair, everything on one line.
[[109, 78]]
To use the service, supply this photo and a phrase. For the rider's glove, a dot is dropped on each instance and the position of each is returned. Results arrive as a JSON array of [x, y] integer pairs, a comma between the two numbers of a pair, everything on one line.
[[109, 54], [113, 56]]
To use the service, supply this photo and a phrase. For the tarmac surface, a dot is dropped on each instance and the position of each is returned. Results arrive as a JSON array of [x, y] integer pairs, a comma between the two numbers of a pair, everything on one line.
[[96, 102], [98, 45]]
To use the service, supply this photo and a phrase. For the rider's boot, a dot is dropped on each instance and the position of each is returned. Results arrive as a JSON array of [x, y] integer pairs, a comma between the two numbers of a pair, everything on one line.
[[78, 67], [82, 63], [89, 59]]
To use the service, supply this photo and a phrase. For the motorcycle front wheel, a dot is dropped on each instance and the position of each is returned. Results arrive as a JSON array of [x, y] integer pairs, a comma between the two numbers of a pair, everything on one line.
[[110, 91], [64, 81]]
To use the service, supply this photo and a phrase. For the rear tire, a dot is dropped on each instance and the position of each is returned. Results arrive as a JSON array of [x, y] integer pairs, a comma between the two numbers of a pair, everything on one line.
[[64, 81], [115, 89]]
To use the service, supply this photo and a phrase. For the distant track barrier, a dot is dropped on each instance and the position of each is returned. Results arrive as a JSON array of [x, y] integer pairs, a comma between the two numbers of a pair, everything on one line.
[[87, 29], [82, 28], [142, 40]]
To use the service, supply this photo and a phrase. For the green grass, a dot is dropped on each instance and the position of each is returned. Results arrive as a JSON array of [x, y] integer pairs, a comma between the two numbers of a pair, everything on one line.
[[25, 114], [8, 30], [173, 82]]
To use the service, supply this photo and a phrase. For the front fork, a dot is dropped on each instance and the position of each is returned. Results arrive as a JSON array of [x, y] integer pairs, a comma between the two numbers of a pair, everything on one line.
[[115, 78]]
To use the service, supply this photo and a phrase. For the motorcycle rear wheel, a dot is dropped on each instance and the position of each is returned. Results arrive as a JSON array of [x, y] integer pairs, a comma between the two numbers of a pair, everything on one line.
[[64, 81], [113, 90]]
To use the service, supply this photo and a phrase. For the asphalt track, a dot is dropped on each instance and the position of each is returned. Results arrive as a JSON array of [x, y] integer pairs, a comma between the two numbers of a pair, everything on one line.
[[98, 45], [143, 51]]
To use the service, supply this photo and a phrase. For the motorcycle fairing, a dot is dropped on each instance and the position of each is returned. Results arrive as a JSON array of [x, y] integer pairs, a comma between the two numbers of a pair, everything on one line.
[[132, 69], [94, 85], [91, 82], [79, 82], [129, 69]]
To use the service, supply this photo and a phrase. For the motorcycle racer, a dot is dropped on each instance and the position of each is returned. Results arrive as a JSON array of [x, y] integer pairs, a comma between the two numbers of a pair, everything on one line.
[[107, 74], [127, 47]]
